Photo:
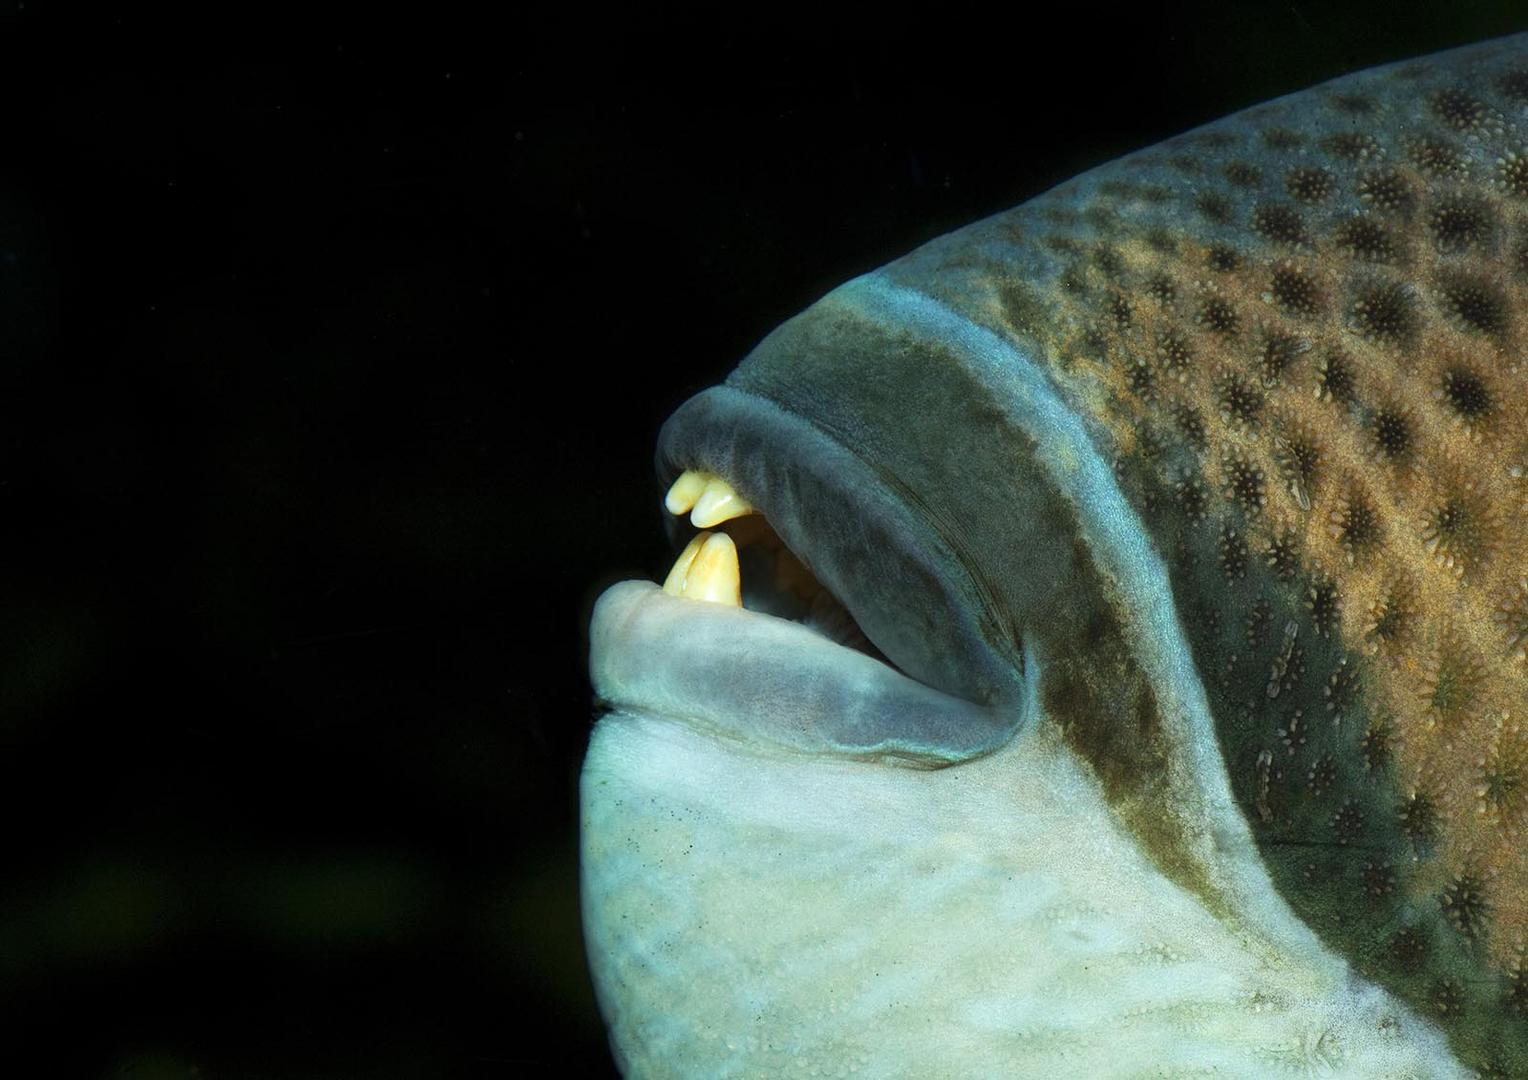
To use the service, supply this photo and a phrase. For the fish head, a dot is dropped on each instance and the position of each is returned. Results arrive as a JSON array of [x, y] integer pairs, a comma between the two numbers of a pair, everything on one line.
[[1096, 642]]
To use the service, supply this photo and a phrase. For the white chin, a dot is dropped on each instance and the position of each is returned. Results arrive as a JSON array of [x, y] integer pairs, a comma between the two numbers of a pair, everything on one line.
[[758, 912]]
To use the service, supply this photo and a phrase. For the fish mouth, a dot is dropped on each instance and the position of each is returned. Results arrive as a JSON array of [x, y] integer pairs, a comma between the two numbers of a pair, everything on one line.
[[815, 604]]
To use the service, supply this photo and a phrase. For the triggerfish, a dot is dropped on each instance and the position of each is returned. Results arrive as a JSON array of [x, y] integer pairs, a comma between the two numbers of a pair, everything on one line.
[[1099, 639]]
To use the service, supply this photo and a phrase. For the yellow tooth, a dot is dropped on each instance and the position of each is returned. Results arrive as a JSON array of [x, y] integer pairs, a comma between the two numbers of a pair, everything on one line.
[[684, 491], [714, 576], [718, 503], [674, 583], [707, 570]]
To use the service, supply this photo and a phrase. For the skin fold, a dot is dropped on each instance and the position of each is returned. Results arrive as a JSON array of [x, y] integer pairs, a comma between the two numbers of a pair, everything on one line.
[[1188, 502]]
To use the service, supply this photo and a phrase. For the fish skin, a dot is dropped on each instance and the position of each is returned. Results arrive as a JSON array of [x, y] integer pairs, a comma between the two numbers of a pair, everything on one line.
[[1296, 334]]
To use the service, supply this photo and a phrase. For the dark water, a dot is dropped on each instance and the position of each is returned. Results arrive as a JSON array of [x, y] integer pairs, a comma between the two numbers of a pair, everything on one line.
[[331, 359]]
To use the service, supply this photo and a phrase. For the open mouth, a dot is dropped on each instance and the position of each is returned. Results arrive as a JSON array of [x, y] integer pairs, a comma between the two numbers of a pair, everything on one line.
[[737, 558], [812, 605]]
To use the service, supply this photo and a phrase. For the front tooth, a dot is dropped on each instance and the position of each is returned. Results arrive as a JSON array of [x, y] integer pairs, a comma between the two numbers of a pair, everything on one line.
[[718, 503], [674, 583], [707, 569], [684, 491], [714, 574]]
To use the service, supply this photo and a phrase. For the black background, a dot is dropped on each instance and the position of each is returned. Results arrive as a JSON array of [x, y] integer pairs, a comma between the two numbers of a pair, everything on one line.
[[331, 359]]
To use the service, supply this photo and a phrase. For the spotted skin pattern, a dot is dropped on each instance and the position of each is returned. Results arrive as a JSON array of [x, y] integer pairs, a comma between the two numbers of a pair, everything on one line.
[[1300, 334]]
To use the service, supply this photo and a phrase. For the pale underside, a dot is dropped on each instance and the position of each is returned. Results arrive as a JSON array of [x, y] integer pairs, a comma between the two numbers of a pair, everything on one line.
[[760, 913]]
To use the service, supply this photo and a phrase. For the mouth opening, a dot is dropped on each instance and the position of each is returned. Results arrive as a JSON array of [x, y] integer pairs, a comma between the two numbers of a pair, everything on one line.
[[813, 606], [771, 579], [835, 541]]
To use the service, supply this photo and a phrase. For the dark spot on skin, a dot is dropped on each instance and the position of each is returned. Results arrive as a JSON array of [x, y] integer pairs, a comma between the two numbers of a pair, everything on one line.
[[1355, 524], [1514, 85], [1295, 731], [1214, 207], [1501, 782], [1512, 173], [1466, 393], [1383, 312], [1341, 689], [1240, 402], [1390, 616], [1173, 352], [1108, 261], [1448, 998], [1436, 157], [1450, 690], [1162, 241], [1119, 311], [1283, 555], [1353, 104], [1244, 483], [1190, 424], [1233, 553], [1224, 259], [1243, 175], [1473, 304], [1192, 497], [1459, 109], [1335, 379], [1419, 821], [1459, 223], [1348, 823], [1298, 456], [1376, 742], [1388, 191], [1352, 146], [1378, 878], [1161, 289], [1464, 903], [1391, 430], [1282, 139], [1218, 316], [1279, 224], [1295, 291], [1517, 987], [1256, 625], [1278, 352], [1103, 219], [1325, 606], [1140, 378], [1457, 530], [1321, 775], [1073, 280], [1309, 183], [1368, 240]]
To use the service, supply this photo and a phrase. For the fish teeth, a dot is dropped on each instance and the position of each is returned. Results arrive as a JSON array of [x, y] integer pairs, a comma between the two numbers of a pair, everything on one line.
[[683, 492], [707, 498], [707, 569]]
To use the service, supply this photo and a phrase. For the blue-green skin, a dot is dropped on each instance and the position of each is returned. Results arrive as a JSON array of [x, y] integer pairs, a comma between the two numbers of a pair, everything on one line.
[[979, 379]]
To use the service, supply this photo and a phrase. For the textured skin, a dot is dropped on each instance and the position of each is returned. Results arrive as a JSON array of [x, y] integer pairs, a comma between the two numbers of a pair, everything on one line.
[[1299, 331]]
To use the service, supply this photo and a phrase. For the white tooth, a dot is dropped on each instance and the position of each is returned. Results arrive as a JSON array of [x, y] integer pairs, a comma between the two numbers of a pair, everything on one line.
[[674, 583], [718, 503], [713, 576], [684, 491]]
